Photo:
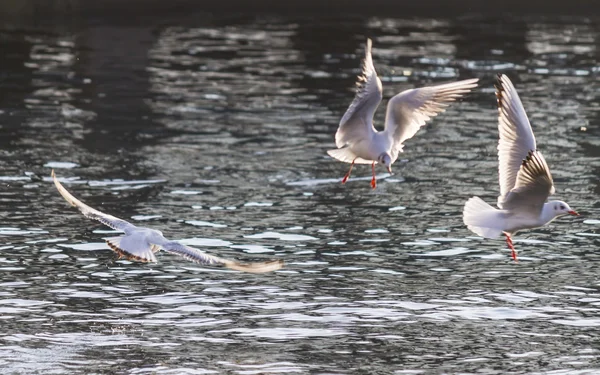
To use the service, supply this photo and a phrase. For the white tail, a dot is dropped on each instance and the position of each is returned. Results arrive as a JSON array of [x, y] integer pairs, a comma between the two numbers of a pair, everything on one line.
[[483, 219]]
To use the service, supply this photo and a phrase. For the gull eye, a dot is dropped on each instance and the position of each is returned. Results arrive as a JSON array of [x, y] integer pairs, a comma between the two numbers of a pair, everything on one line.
[[562, 207]]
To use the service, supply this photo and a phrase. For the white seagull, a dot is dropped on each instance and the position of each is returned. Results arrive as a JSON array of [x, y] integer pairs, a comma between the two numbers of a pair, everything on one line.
[[359, 142], [525, 180], [140, 243]]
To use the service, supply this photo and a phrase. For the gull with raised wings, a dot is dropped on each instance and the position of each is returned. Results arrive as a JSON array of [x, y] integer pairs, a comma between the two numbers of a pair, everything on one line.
[[141, 244], [525, 180], [357, 139]]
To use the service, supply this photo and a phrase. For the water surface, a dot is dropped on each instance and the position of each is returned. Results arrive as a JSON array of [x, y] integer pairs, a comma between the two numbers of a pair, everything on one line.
[[214, 130]]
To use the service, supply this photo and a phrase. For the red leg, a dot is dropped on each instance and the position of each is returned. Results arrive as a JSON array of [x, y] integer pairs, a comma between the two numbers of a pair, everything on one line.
[[347, 176], [512, 247], [373, 182]]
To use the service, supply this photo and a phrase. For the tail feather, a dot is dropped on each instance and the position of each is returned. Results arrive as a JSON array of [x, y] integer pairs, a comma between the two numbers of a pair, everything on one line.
[[483, 219]]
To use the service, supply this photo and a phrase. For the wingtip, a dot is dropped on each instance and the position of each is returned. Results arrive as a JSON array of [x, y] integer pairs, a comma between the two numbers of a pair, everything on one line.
[[502, 81], [500, 88], [52, 173], [471, 83], [368, 48], [260, 267]]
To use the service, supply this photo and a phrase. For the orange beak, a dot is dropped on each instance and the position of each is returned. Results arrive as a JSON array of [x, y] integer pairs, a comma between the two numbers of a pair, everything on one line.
[[573, 212]]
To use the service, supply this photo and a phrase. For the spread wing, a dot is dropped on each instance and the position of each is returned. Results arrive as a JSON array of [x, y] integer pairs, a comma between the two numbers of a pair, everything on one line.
[[533, 186], [411, 109], [201, 257], [357, 122], [516, 136], [87, 211]]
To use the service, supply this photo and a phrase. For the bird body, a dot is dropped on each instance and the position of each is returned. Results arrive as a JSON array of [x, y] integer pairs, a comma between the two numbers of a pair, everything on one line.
[[357, 139], [139, 243], [524, 177], [490, 222]]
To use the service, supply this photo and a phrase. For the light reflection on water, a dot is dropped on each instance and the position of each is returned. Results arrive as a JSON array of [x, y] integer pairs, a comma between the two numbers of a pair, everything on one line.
[[215, 132]]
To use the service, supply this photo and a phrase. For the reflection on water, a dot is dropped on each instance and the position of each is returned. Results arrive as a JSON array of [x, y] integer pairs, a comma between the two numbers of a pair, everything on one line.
[[213, 129]]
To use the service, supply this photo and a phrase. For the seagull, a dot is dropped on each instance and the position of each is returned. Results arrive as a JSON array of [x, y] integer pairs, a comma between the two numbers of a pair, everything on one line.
[[358, 142], [140, 243], [525, 180]]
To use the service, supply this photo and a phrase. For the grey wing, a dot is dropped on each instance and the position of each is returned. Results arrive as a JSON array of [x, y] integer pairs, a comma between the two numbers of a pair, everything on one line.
[[411, 109], [201, 257], [191, 254], [516, 136], [532, 187], [357, 122], [87, 211]]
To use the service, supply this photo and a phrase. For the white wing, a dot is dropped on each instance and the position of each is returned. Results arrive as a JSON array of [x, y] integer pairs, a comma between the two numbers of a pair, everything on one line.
[[87, 211], [533, 186], [347, 156], [409, 110], [357, 122], [516, 136], [200, 257]]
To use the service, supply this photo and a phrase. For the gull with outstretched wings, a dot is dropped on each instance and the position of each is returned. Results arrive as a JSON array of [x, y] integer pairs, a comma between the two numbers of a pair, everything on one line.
[[141, 244], [525, 180], [357, 139]]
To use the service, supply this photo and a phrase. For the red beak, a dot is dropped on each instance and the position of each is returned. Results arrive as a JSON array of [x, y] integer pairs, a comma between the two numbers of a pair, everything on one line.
[[573, 212]]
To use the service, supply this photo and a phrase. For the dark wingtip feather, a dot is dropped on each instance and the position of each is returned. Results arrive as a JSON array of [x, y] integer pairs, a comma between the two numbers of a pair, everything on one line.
[[499, 90], [529, 157]]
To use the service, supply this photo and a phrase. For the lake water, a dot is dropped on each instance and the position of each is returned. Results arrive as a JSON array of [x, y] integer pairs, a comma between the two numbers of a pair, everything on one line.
[[214, 130]]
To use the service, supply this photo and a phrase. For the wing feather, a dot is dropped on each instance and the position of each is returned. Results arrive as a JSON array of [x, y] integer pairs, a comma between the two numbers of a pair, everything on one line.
[[87, 211], [346, 155], [532, 187], [197, 256], [411, 109], [357, 122], [516, 136]]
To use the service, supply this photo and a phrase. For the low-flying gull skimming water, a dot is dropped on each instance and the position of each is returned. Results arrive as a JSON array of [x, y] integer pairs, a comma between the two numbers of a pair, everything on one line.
[[140, 243], [525, 180], [359, 142]]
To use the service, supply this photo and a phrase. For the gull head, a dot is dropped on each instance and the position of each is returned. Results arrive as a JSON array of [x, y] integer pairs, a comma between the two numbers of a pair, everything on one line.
[[386, 160], [560, 208]]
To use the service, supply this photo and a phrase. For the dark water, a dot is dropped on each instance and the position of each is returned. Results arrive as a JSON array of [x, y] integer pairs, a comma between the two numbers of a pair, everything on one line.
[[214, 128]]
